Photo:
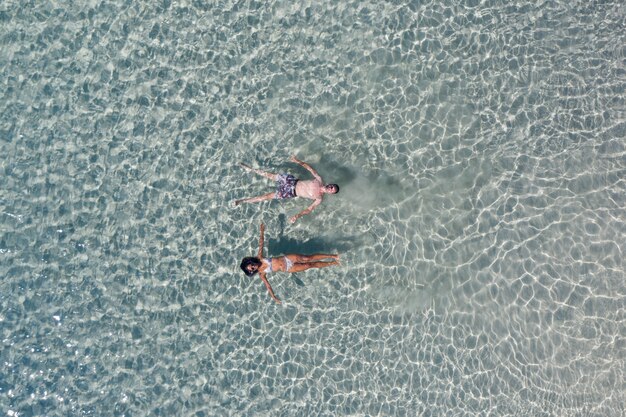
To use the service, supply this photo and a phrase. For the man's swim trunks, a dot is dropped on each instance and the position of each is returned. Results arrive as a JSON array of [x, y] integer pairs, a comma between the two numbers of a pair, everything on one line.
[[286, 186]]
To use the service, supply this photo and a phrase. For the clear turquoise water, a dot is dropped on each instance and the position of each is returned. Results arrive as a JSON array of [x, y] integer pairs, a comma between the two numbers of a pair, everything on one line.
[[480, 149]]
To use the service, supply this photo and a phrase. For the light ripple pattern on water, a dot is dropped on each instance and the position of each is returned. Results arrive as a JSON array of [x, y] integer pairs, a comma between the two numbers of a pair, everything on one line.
[[479, 146]]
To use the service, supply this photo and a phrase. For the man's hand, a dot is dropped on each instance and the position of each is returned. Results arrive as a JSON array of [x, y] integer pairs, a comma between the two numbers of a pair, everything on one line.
[[293, 219], [294, 159]]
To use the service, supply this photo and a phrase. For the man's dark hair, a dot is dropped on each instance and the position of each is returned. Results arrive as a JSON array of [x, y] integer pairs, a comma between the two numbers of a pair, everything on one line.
[[249, 261], [335, 186]]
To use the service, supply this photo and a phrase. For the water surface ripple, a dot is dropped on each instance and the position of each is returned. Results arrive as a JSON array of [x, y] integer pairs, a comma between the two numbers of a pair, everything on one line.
[[481, 154]]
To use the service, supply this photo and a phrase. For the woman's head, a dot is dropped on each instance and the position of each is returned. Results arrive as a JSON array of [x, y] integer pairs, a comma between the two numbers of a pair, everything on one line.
[[250, 265]]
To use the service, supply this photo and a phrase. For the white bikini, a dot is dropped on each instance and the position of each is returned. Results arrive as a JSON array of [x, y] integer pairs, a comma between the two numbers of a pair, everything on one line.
[[268, 262], [288, 263]]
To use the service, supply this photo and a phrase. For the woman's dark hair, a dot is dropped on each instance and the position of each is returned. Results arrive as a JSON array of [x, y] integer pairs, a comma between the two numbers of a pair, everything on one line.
[[250, 261]]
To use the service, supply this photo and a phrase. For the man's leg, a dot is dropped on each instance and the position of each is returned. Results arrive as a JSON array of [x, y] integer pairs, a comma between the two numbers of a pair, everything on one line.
[[265, 174], [268, 196]]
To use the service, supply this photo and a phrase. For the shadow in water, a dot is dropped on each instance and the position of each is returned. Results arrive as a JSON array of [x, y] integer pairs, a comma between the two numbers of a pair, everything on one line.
[[338, 174], [283, 244]]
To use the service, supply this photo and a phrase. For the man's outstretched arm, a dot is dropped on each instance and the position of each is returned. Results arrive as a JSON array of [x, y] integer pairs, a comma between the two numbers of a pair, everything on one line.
[[307, 167], [306, 211]]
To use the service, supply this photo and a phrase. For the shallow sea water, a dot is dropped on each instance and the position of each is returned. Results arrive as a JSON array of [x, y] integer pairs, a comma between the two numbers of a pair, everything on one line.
[[480, 150]]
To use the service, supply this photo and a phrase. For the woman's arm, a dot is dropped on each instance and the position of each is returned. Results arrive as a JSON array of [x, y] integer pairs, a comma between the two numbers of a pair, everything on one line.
[[261, 241], [269, 287], [308, 168], [306, 211]]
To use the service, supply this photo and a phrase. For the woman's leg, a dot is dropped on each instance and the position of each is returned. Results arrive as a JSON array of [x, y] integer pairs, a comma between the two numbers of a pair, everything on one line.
[[265, 174], [300, 259], [268, 196], [309, 265]]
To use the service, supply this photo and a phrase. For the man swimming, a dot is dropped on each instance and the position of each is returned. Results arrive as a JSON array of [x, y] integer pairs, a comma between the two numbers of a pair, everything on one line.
[[288, 186]]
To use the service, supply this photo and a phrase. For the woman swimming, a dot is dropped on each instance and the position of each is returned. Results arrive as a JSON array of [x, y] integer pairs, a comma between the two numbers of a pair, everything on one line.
[[286, 263]]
